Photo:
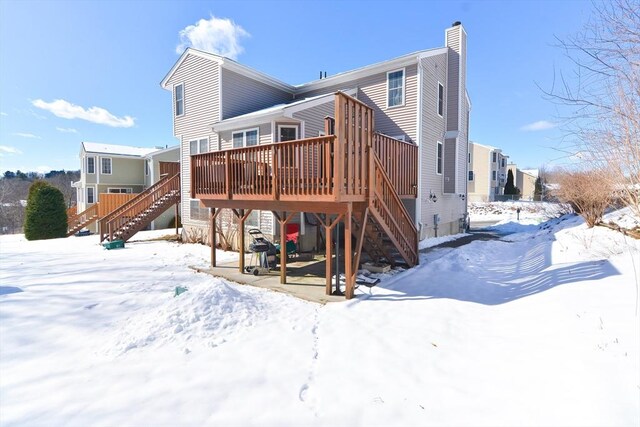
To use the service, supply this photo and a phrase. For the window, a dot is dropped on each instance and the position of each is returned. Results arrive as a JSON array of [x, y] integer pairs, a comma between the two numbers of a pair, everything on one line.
[[198, 146], [245, 138], [493, 175], [106, 165], [470, 175], [90, 195], [118, 190], [440, 99], [198, 213], [178, 94], [395, 88], [439, 159], [146, 167], [91, 165], [504, 162], [469, 157], [495, 157], [287, 133]]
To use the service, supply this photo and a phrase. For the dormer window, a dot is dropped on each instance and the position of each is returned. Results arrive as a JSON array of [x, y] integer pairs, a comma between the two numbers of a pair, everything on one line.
[[395, 88], [178, 96]]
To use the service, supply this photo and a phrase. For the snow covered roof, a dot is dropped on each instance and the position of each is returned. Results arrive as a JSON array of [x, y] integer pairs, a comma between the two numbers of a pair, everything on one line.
[[122, 150]]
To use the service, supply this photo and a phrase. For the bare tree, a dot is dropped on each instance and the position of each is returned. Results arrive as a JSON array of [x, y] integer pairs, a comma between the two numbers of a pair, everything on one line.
[[589, 192], [603, 96]]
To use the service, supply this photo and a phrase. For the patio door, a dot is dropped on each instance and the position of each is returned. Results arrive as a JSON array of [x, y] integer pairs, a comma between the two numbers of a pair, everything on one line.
[[290, 158]]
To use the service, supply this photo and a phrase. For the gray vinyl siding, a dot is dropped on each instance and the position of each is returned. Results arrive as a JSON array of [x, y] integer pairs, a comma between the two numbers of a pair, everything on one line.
[[200, 77], [314, 118], [264, 135], [372, 90], [433, 128], [241, 95], [453, 80], [449, 168]]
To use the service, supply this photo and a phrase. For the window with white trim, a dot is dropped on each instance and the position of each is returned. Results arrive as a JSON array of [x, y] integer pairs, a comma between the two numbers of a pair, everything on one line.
[[199, 146], [178, 98], [105, 165], [91, 196], [493, 175], [440, 99], [119, 190], [495, 156], [439, 158], [91, 165], [395, 88], [470, 175], [245, 138], [146, 167]]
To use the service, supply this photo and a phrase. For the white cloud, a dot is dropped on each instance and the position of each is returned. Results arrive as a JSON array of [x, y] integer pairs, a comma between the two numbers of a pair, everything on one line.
[[217, 35], [2, 113], [67, 110], [8, 150], [537, 126], [26, 135], [67, 130]]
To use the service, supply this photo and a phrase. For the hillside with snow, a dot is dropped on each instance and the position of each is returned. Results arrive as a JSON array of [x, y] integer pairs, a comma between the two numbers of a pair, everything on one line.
[[539, 327]]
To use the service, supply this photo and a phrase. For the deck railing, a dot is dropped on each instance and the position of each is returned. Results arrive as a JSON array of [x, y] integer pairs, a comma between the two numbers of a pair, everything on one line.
[[169, 168], [327, 168], [399, 159], [282, 171], [81, 219]]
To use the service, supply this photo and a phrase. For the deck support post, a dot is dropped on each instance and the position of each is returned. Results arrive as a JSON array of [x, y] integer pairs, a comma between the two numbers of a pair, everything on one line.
[[328, 227], [283, 219], [359, 241], [177, 213], [242, 215], [213, 233], [348, 255]]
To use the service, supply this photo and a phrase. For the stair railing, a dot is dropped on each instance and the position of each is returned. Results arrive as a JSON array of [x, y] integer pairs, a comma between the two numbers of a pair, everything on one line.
[[387, 207], [117, 218]]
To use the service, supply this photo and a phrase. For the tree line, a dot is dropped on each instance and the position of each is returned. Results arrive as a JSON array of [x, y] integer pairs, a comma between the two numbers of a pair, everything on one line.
[[14, 192]]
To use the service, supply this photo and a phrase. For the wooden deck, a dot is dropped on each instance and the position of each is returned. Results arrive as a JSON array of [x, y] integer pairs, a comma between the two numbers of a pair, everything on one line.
[[352, 175]]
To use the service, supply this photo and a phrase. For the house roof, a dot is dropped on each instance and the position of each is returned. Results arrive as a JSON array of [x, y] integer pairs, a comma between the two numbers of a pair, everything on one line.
[[121, 150], [162, 150], [489, 147], [275, 111], [312, 85], [532, 172], [229, 64]]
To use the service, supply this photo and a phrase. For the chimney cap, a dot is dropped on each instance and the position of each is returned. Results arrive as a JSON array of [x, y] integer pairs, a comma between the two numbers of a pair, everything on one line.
[[455, 24]]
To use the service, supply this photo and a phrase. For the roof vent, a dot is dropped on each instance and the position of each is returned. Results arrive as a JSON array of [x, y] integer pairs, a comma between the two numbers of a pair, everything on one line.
[[455, 24]]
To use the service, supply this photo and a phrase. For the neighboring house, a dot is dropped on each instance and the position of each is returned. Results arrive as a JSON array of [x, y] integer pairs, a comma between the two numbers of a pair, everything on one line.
[[525, 180], [109, 168], [487, 172], [219, 104]]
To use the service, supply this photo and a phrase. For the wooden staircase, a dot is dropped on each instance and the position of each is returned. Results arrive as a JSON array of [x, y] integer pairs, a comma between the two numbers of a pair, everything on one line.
[[78, 221], [389, 223], [135, 215]]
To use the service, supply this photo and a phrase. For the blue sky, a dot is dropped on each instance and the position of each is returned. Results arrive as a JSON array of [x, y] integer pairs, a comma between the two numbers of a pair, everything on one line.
[[90, 71]]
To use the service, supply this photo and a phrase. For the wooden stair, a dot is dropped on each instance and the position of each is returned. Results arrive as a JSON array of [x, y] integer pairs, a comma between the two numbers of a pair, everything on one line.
[[135, 215], [78, 221], [390, 233]]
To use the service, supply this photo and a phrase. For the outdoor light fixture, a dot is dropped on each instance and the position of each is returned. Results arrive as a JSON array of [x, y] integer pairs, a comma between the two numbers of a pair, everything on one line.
[[432, 196]]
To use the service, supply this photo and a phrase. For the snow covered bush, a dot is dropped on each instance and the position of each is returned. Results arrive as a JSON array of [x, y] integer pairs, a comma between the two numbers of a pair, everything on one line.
[[46, 216]]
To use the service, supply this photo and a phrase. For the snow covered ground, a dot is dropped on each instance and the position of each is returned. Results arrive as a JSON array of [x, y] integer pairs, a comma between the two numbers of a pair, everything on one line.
[[538, 328]]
